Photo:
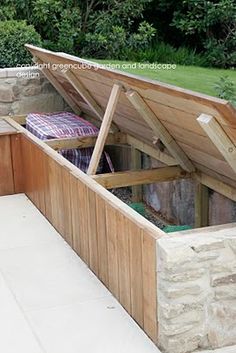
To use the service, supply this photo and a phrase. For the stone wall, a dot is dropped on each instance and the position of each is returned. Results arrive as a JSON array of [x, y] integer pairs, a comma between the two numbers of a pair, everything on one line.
[[197, 289], [24, 90]]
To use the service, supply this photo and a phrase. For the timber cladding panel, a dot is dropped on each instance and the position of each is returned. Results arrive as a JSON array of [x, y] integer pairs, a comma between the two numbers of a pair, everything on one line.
[[6, 171], [11, 174], [117, 244]]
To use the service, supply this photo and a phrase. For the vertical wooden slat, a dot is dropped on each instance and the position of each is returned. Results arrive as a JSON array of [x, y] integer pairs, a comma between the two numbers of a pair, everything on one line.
[[75, 213], [55, 186], [48, 191], [33, 162], [136, 274], [17, 163], [66, 206], [42, 181], [78, 228], [112, 250], [102, 240], [92, 231], [60, 199], [149, 286], [6, 172], [53, 192], [39, 183], [123, 261], [83, 216], [27, 166]]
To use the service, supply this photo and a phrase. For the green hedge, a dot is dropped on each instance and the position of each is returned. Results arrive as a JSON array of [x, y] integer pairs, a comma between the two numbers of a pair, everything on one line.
[[13, 36]]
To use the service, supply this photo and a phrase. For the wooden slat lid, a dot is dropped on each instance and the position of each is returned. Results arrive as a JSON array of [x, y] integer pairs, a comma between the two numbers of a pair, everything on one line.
[[176, 108]]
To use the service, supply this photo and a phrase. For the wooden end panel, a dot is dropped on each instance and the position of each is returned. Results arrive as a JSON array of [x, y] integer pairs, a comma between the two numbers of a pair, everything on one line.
[[66, 206], [60, 201], [17, 163], [28, 168], [6, 169], [149, 286], [123, 255], [76, 231], [79, 211], [102, 240], [112, 247], [136, 273], [92, 231], [38, 181]]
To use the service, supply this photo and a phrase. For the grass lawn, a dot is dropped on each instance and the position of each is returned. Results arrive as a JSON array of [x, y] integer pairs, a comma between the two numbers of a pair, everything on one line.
[[191, 77]]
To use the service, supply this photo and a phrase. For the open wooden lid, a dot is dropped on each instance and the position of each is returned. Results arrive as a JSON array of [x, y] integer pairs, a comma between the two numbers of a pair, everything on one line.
[[207, 143]]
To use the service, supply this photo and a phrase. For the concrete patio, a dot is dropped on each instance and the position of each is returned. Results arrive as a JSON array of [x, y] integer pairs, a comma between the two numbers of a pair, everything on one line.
[[49, 300]]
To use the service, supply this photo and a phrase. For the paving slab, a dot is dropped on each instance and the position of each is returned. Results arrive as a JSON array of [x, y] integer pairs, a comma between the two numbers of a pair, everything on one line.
[[15, 333]]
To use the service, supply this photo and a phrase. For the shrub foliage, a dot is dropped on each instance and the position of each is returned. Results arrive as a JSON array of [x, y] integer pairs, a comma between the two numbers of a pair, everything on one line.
[[13, 36]]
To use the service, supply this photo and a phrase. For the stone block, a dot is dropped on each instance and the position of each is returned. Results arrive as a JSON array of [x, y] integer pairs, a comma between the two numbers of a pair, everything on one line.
[[31, 90], [177, 292], [42, 103], [176, 344], [223, 280], [10, 81], [5, 109], [176, 329], [186, 276], [3, 74], [6, 94], [173, 310], [208, 244], [25, 81], [226, 292], [208, 256], [232, 244], [175, 257], [223, 266], [222, 323]]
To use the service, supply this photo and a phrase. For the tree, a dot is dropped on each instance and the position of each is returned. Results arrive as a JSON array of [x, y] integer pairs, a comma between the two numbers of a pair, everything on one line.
[[214, 22]]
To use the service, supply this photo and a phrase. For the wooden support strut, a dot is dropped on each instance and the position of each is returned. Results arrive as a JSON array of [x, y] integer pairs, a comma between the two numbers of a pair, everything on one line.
[[160, 130], [140, 177], [48, 74], [84, 93], [220, 139], [79, 87], [84, 141], [216, 185], [150, 151], [104, 130]]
